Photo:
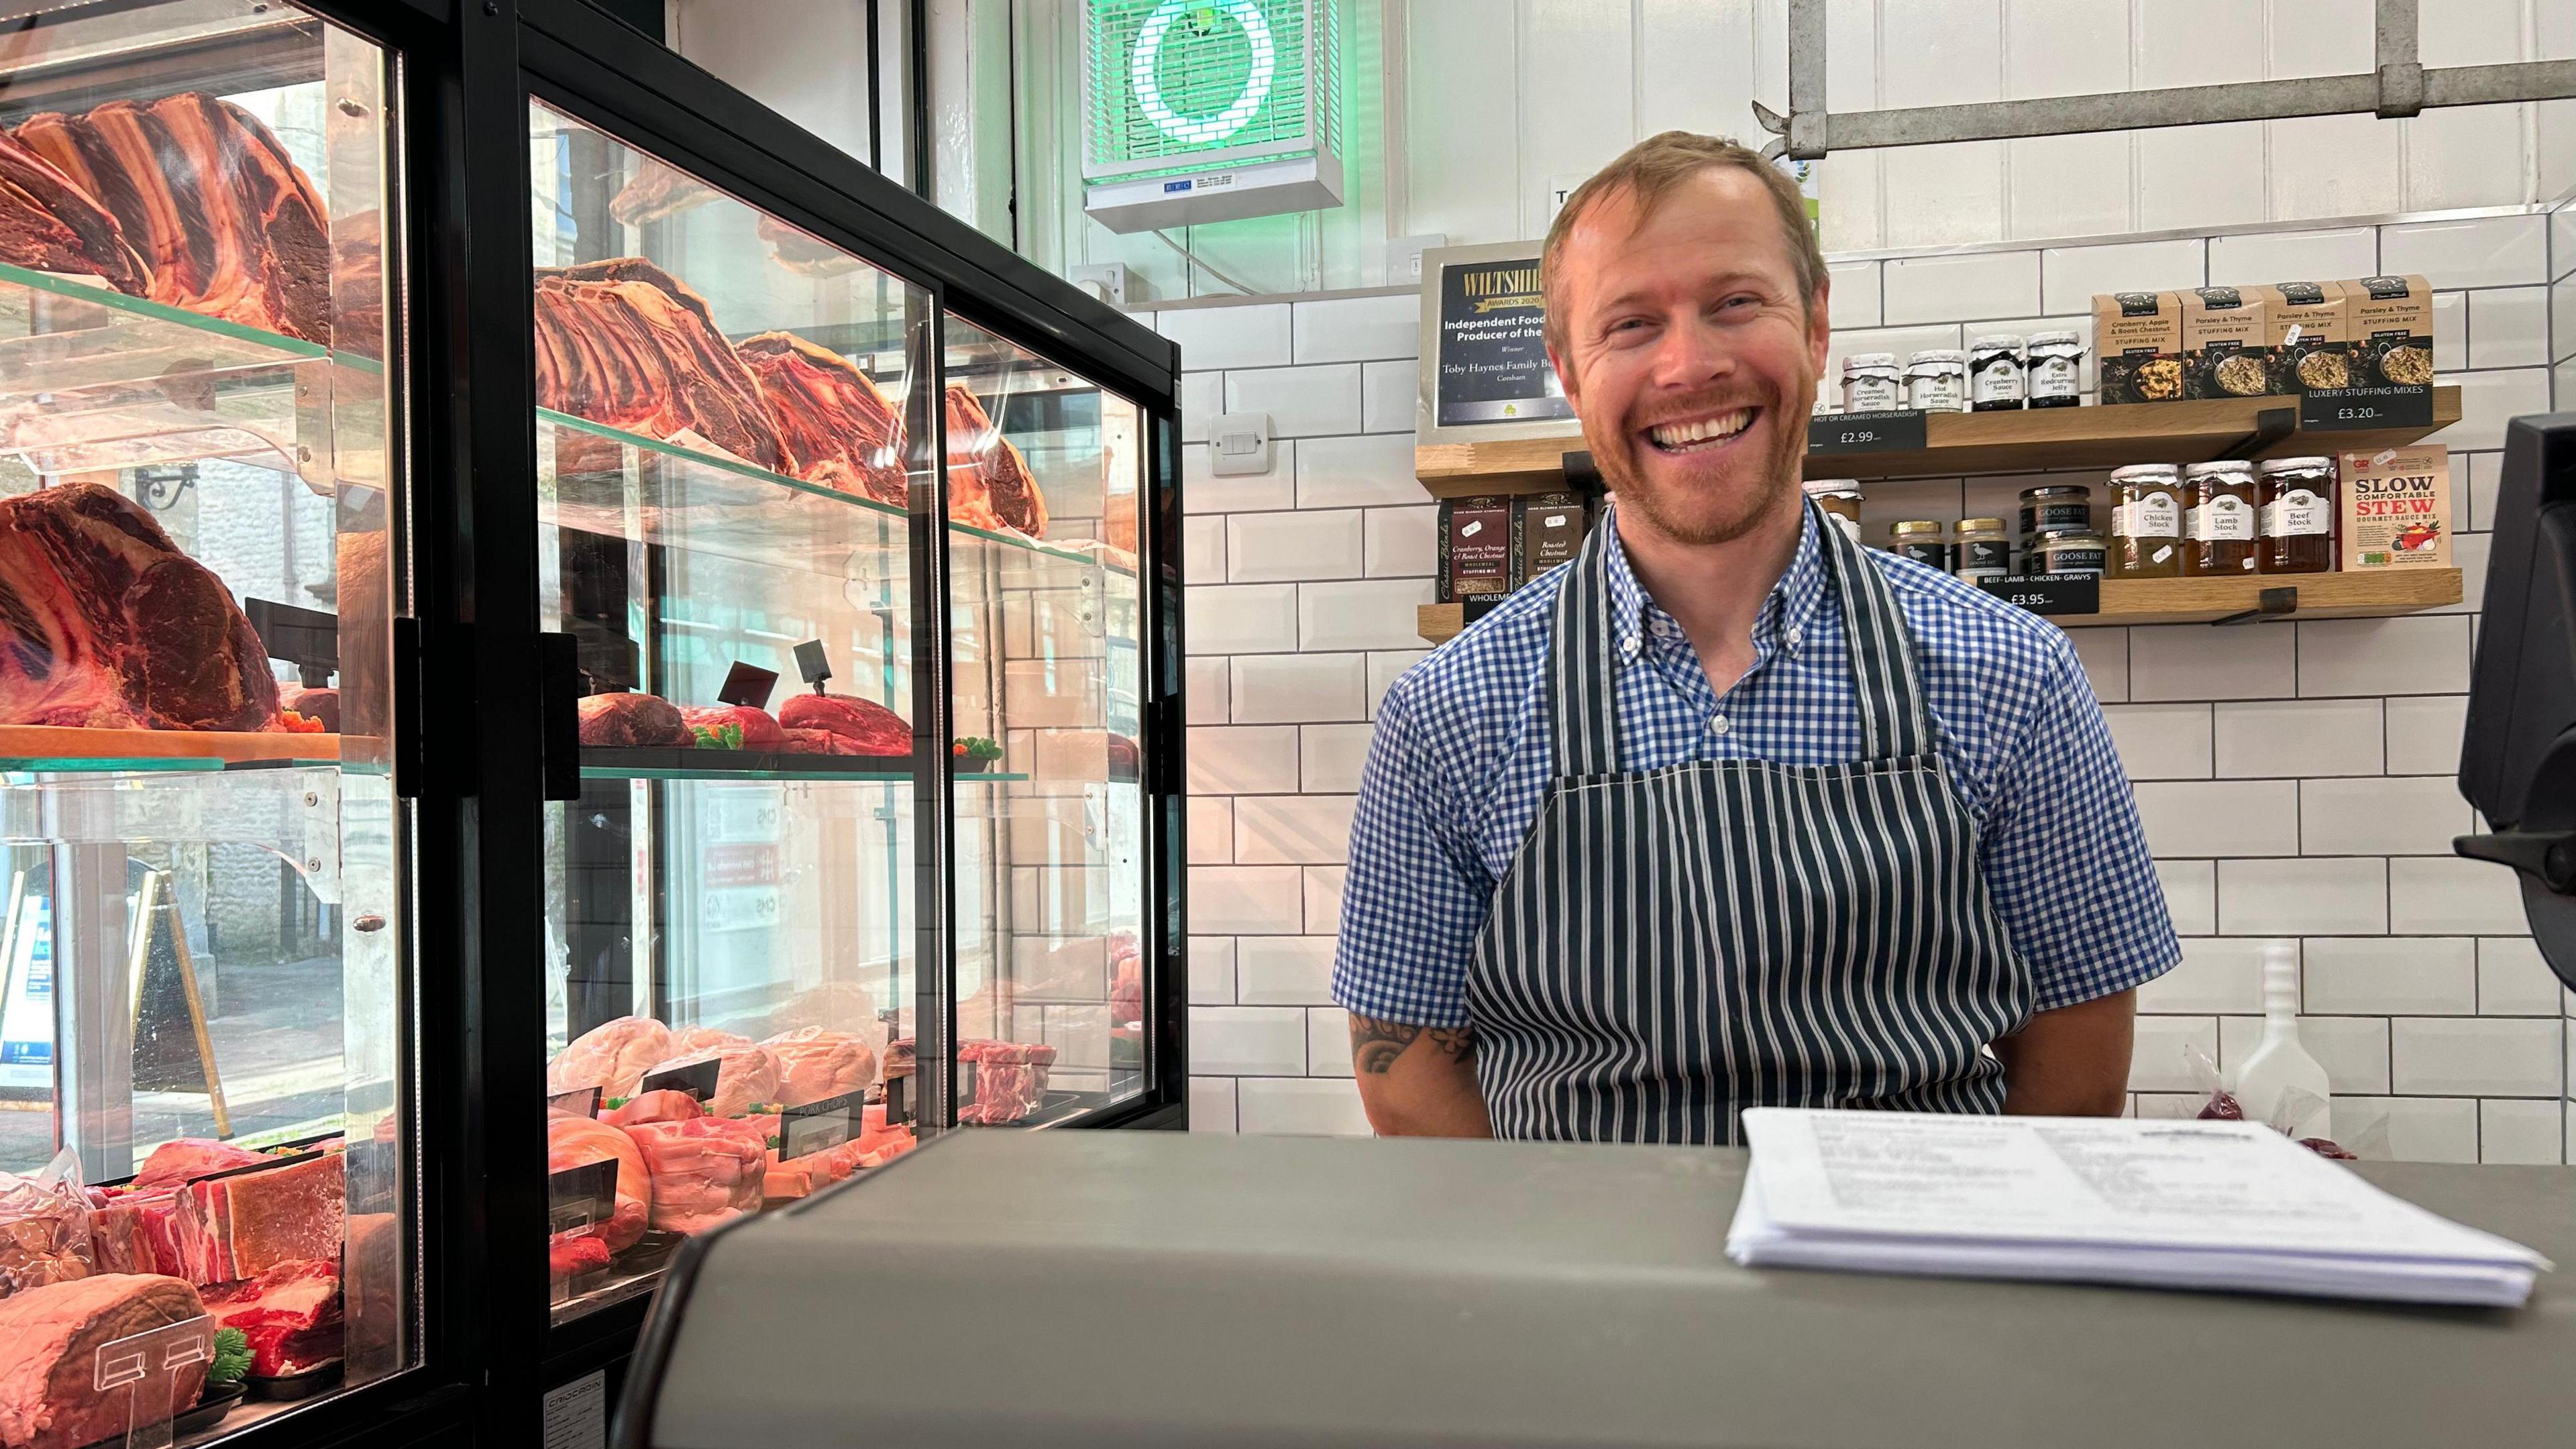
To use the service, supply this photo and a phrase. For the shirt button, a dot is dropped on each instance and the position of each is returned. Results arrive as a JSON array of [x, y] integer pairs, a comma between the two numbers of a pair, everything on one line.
[[1796, 636], [1717, 724], [1628, 644], [1663, 628]]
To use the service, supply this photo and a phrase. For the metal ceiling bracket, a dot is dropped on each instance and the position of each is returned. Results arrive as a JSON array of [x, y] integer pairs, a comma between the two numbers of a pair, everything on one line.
[[2401, 74]]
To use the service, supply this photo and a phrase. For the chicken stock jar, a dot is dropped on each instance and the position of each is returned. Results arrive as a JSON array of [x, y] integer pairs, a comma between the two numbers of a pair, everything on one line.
[[2146, 522]]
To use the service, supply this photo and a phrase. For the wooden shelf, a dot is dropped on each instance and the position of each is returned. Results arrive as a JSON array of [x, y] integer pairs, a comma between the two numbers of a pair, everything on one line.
[[64, 747], [2026, 441], [2187, 601]]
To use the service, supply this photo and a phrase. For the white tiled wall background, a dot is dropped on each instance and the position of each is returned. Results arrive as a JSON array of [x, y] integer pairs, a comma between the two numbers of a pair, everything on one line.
[[2295, 779]]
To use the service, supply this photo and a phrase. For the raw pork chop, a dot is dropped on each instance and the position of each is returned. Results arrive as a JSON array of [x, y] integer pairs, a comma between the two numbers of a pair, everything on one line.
[[54, 1333], [104, 622], [613, 1056]]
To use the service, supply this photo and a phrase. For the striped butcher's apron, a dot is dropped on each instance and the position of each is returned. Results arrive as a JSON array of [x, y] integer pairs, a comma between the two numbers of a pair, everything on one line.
[[1672, 946]]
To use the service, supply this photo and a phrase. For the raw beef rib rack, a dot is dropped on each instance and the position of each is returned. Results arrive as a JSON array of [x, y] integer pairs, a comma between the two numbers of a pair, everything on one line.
[[105, 623], [838, 428], [626, 344], [989, 483]]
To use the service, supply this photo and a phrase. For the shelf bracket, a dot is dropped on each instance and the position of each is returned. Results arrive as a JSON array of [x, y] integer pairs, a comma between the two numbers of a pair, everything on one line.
[[2271, 425], [2270, 604]]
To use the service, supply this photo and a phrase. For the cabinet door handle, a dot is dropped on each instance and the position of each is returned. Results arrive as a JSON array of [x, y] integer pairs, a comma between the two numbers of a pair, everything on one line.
[[559, 711], [408, 735]]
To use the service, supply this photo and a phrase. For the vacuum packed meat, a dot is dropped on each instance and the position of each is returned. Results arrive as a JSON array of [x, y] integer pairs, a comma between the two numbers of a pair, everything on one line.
[[869, 728], [633, 719], [612, 1056], [577, 1141], [228, 224], [818, 1065], [989, 483], [50, 223], [665, 1105], [1010, 1080], [44, 1227], [48, 1398], [105, 623], [838, 429], [624, 343], [746, 1072], [705, 1172]]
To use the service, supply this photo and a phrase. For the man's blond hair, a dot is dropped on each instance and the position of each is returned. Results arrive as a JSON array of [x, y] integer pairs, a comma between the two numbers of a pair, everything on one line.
[[1646, 174]]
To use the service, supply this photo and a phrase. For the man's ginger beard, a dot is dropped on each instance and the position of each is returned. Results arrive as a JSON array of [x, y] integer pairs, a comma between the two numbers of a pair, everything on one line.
[[1677, 518]]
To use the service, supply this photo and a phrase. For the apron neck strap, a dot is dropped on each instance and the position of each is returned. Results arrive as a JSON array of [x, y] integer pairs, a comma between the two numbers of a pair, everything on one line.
[[1583, 674], [1893, 721]]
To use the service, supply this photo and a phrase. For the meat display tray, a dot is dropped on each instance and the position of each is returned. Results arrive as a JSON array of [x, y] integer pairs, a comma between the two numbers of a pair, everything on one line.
[[655, 762], [70, 750]]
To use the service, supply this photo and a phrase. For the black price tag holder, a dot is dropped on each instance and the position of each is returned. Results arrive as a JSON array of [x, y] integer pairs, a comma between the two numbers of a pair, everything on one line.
[[820, 1126], [749, 685], [2342, 409], [697, 1078], [579, 1102], [1892, 432], [2049, 593]]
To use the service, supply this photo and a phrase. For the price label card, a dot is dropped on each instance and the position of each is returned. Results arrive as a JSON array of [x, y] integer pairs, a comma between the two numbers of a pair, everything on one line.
[[578, 1197], [2049, 593], [1895, 432], [697, 1078], [2332, 409], [820, 1125]]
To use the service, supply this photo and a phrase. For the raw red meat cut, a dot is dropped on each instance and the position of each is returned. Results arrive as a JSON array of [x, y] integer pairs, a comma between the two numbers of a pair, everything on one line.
[[1010, 1079], [705, 1172], [837, 427], [633, 719], [315, 704], [819, 1065], [185, 1159], [989, 483], [624, 343], [746, 1072], [48, 223], [574, 1141], [290, 1314], [242, 1225], [819, 742], [105, 623], [613, 1055], [759, 727], [571, 1254], [47, 1376], [872, 728], [227, 222], [656, 191], [804, 255]]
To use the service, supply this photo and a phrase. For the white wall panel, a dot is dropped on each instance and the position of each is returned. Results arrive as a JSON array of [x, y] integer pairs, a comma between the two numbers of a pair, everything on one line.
[[1578, 95], [1462, 120], [1695, 64]]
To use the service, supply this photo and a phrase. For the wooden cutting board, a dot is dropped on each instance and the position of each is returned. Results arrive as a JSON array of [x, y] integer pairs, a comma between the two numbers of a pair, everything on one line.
[[55, 742]]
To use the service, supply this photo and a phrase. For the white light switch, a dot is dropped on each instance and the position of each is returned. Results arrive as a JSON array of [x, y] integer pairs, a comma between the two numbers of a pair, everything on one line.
[[1239, 443]]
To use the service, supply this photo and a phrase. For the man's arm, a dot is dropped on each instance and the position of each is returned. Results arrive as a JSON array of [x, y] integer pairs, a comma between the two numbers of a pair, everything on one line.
[[2071, 1062], [1418, 1081]]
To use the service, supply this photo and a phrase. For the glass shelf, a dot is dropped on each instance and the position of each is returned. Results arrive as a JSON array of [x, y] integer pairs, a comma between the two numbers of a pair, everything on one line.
[[609, 481], [649, 763], [53, 749]]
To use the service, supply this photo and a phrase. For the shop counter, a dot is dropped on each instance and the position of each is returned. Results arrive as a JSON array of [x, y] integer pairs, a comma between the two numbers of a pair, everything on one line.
[[1001, 1290]]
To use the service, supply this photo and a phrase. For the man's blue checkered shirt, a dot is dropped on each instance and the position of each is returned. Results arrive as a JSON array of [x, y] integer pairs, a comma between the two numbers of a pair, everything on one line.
[[1461, 757]]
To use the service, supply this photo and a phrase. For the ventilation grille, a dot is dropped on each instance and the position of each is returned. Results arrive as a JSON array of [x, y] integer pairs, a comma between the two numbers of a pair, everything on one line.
[[1175, 83]]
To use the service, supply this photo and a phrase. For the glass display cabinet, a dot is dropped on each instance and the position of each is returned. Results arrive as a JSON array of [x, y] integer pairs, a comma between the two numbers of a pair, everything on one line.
[[574, 666]]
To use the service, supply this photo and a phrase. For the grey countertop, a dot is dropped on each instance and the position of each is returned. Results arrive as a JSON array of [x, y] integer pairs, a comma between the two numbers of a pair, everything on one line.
[[1158, 1289]]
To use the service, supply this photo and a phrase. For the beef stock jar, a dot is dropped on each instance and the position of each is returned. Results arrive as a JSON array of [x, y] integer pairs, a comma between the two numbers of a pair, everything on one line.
[[2298, 496]]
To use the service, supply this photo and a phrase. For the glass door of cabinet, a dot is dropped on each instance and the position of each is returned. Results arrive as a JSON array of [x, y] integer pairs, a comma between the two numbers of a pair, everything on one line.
[[1043, 468], [730, 417], [206, 1117]]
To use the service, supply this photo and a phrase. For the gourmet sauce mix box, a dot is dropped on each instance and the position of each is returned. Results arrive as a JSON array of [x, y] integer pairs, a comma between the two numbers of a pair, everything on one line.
[[2396, 509], [2137, 346], [1477, 556]]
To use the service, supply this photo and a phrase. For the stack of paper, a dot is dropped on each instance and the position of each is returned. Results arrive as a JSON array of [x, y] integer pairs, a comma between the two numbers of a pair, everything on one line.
[[2170, 1204]]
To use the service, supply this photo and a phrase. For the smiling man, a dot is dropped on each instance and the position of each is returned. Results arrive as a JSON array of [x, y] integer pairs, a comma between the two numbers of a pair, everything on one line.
[[1730, 812]]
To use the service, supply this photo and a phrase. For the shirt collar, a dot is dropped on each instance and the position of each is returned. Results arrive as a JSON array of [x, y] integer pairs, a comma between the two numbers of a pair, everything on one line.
[[1787, 615]]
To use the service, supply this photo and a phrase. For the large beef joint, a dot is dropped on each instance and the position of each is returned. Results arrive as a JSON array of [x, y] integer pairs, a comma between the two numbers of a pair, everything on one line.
[[105, 623], [48, 1398], [838, 429], [290, 1315], [50, 223], [851, 726], [243, 1225], [989, 483], [227, 222], [625, 344], [633, 719]]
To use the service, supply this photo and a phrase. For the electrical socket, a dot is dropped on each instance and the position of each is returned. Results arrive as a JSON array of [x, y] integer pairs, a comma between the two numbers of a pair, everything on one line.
[[1404, 257], [1108, 281]]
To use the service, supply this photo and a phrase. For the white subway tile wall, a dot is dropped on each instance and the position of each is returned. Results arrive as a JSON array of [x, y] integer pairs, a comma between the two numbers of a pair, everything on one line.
[[2296, 781]]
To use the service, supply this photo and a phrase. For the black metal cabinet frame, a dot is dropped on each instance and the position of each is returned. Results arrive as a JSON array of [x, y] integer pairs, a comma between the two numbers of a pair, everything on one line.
[[477, 605]]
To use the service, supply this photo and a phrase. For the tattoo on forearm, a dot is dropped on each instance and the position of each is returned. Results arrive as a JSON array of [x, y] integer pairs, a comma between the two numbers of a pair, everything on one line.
[[1376, 1044]]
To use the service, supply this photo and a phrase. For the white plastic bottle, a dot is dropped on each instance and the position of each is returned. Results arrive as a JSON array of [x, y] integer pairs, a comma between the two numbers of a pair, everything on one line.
[[2278, 1064]]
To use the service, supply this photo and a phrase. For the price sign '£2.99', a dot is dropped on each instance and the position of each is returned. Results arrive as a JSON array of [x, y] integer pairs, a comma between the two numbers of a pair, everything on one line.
[[1895, 432]]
